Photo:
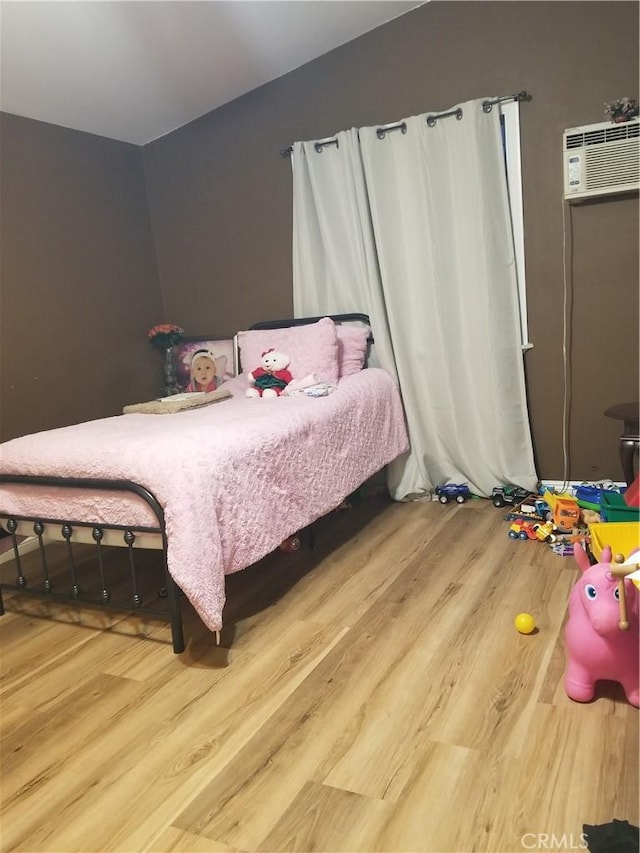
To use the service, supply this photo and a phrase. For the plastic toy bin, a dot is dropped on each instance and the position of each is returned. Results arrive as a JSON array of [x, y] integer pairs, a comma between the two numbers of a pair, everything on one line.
[[613, 507], [623, 536]]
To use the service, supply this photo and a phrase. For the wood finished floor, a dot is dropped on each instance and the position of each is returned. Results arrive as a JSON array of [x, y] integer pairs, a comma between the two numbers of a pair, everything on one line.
[[372, 695]]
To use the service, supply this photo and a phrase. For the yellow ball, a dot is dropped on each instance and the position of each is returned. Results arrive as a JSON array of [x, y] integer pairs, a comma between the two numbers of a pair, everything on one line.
[[524, 623]]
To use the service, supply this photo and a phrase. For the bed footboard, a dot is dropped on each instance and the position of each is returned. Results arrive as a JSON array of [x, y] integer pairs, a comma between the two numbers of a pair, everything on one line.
[[67, 586]]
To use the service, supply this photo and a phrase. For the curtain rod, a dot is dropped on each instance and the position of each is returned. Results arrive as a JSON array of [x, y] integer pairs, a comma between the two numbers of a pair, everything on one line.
[[521, 96], [382, 131]]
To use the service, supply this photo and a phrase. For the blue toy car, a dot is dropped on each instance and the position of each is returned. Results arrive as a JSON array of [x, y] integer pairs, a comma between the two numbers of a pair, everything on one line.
[[458, 492]]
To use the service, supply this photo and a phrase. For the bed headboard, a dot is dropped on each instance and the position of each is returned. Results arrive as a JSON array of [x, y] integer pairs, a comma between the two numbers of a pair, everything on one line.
[[303, 321]]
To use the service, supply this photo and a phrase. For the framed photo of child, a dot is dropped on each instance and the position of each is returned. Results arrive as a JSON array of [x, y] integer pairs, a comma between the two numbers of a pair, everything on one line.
[[204, 363]]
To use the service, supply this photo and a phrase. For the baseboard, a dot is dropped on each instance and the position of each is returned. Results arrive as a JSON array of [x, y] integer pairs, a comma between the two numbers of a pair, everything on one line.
[[559, 485]]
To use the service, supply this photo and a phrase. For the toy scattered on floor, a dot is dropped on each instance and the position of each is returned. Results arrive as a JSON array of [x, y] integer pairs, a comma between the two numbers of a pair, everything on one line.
[[272, 377], [565, 515], [458, 492], [590, 516], [522, 529], [623, 537], [532, 508], [614, 507], [503, 495], [602, 632], [551, 498], [546, 532], [590, 495], [524, 623], [562, 549]]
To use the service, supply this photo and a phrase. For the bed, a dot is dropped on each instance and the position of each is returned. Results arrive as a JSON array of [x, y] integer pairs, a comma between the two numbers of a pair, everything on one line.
[[215, 488]]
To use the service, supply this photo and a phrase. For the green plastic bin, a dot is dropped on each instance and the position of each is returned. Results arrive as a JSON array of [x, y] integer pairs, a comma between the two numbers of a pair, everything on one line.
[[614, 508]]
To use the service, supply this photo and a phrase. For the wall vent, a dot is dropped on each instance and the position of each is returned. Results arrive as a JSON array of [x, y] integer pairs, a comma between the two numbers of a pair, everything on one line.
[[601, 159]]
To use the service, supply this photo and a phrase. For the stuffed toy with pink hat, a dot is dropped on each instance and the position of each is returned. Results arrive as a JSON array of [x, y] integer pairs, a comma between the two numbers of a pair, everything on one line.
[[272, 377]]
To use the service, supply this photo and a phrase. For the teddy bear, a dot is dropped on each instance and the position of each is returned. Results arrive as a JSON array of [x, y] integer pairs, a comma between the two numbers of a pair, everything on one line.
[[272, 377]]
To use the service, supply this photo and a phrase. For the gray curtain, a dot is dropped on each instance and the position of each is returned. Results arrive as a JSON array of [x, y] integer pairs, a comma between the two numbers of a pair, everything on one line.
[[414, 229]]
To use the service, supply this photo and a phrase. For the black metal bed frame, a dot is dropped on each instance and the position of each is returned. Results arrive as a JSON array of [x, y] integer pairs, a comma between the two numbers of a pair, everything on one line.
[[306, 321], [74, 594], [44, 587]]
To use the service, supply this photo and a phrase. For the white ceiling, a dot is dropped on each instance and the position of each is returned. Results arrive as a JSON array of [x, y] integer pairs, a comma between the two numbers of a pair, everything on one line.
[[134, 70]]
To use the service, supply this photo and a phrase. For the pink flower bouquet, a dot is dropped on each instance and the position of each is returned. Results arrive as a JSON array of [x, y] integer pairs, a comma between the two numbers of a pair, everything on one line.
[[165, 335]]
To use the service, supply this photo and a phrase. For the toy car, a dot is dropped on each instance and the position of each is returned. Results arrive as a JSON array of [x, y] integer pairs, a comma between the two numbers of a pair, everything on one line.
[[458, 492], [534, 508], [565, 515], [521, 529], [511, 495], [545, 532]]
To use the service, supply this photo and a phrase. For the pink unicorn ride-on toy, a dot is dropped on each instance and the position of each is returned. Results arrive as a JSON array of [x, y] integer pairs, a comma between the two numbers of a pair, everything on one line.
[[602, 634]]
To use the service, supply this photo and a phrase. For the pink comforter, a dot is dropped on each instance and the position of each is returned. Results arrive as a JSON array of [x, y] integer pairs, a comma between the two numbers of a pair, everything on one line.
[[235, 478]]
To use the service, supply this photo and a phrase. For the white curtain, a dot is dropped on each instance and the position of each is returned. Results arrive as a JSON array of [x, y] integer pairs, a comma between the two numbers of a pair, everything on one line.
[[414, 229]]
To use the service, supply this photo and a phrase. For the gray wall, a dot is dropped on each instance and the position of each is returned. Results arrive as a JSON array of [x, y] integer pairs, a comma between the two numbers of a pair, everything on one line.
[[220, 194], [76, 229], [79, 278]]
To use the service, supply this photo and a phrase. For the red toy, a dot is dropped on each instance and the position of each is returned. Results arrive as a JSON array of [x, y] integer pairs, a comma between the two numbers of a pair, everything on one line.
[[272, 377], [523, 529], [632, 494]]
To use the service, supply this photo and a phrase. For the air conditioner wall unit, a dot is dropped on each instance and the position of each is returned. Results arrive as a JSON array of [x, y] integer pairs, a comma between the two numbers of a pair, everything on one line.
[[601, 159]]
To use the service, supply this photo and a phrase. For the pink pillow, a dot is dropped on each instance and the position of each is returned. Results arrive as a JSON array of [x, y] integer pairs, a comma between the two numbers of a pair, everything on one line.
[[311, 349], [352, 348]]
